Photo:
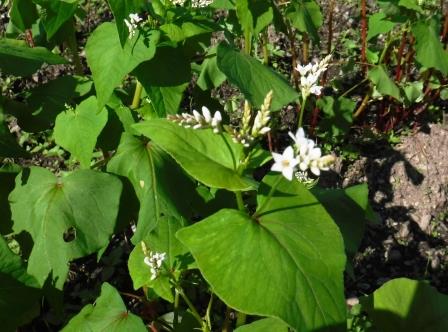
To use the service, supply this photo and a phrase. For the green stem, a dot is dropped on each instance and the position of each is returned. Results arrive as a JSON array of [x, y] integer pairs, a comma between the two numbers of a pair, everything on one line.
[[207, 313], [268, 198], [247, 42], [302, 111], [73, 46], [193, 310], [176, 309], [239, 200], [265, 47], [137, 95]]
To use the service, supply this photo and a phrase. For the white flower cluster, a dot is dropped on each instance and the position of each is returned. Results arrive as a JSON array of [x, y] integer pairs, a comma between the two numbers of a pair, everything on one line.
[[154, 260], [248, 133], [132, 24], [194, 3], [303, 154], [309, 75], [198, 120]]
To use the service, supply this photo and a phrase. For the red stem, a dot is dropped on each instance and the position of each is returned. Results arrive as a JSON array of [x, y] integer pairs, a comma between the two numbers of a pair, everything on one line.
[[364, 33]]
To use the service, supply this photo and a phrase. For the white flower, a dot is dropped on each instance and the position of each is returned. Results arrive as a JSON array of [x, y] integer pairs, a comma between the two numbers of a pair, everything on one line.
[[198, 120], [132, 24], [309, 155], [285, 163], [310, 76], [154, 261]]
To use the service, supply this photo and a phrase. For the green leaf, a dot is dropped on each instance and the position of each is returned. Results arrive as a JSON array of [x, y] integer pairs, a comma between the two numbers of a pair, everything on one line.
[[121, 10], [77, 130], [254, 79], [383, 83], [379, 24], [162, 240], [407, 305], [72, 216], [19, 292], [292, 253], [181, 31], [429, 50], [23, 14], [223, 4], [166, 100], [263, 325], [7, 176], [17, 58], [110, 63], [108, 314], [46, 101], [305, 16], [254, 15], [158, 72], [210, 76], [411, 5], [338, 114], [413, 92], [209, 158], [348, 207], [57, 12], [158, 181]]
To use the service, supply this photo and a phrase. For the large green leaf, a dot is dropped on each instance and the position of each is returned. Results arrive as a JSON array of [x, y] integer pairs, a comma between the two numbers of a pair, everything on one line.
[[338, 114], [108, 314], [23, 14], [162, 240], [209, 158], [287, 262], [305, 16], [57, 12], [67, 217], [429, 50], [158, 181], [210, 76], [166, 100], [383, 83], [254, 79], [254, 15], [403, 305], [379, 24], [121, 10], [110, 62], [17, 58], [263, 325], [7, 176], [349, 208], [77, 130], [19, 292]]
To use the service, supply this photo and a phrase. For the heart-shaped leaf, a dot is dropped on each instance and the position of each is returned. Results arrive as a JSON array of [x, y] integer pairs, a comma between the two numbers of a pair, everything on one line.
[[77, 130], [110, 62], [67, 217], [287, 262], [108, 314]]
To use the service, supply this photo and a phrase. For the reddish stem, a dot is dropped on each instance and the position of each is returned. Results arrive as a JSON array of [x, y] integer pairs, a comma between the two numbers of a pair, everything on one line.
[[400, 56], [364, 33]]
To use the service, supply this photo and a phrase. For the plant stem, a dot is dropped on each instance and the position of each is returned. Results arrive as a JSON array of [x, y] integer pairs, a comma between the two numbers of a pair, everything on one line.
[[265, 47], [176, 308], [193, 310], [268, 197], [305, 48], [364, 33], [302, 111], [207, 313], [73, 46], [247, 42], [354, 87], [137, 95], [239, 200]]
